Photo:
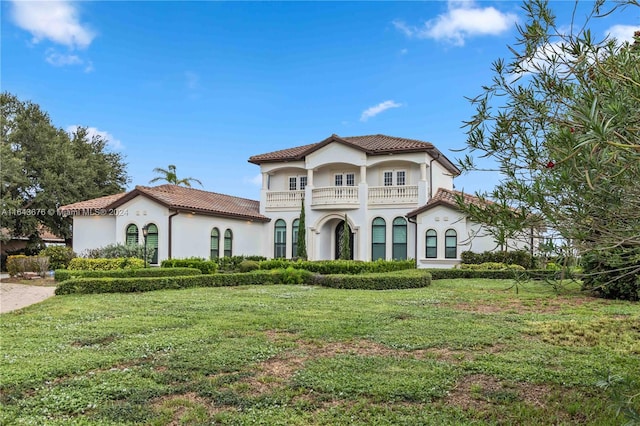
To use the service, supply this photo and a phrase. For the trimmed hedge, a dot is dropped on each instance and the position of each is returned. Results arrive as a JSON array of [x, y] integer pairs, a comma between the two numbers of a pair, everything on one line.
[[377, 281], [394, 280], [495, 266], [130, 285], [205, 266], [535, 274], [67, 274], [518, 257], [85, 264], [327, 267]]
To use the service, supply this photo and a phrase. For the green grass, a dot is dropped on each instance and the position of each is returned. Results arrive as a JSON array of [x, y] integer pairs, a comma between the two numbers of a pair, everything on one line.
[[458, 352]]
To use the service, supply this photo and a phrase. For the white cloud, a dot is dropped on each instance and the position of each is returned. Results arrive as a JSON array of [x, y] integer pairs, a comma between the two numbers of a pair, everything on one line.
[[61, 59], [622, 32], [462, 20], [377, 109], [55, 20], [255, 180], [112, 142]]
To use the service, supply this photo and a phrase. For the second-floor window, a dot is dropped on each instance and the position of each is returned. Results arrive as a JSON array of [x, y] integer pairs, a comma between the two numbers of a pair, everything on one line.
[[297, 183], [344, 179], [395, 177]]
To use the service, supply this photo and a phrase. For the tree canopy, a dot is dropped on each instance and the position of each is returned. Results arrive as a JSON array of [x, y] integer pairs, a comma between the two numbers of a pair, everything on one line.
[[561, 120], [44, 167], [170, 175]]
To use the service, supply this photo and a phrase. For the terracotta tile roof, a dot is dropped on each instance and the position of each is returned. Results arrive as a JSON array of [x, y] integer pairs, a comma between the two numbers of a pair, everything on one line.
[[44, 232], [183, 199], [96, 203], [448, 198], [371, 144]]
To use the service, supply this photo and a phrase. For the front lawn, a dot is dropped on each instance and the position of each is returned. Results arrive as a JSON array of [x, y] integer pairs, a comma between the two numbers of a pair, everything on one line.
[[458, 352]]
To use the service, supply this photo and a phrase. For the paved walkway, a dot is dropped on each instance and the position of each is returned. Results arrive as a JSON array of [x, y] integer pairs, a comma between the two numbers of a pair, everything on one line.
[[16, 296]]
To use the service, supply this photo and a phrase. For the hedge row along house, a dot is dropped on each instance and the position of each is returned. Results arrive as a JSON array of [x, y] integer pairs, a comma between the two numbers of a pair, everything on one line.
[[396, 194]]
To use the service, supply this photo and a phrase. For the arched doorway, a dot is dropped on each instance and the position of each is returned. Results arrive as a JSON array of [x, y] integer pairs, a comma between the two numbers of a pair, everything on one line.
[[339, 233]]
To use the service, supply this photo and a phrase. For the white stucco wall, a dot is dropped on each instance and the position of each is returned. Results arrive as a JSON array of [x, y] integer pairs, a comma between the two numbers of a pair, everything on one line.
[[91, 232]]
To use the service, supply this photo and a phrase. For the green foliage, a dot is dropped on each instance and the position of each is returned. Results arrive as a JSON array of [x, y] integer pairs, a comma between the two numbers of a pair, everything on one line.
[[302, 235], [492, 266], [44, 167], [67, 274], [82, 263], [517, 257], [232, 263], [305, 355], [377, 281], [345, 242], [59, 256], [206, 266], [501, 274], [560, 120], [325, 267], [169, 175], [248, 266], [19, 264], [602, 273], [118, 250]]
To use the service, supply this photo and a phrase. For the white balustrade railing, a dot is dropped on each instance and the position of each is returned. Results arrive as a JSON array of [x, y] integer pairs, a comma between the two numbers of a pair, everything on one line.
[[284, 199], [393, 194], [335, 195]]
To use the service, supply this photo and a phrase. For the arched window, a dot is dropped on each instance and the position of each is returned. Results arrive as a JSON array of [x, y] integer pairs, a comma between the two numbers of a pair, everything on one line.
[[378, 239], [132, 235], [215, 243], [280, 239], [451, 244], [431, 251], [228, 243], [294, 237], [399, 238], [152, 242]]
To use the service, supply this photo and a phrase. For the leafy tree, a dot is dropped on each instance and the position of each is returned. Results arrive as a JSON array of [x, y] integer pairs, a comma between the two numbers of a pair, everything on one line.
[[561, 121], [169, 175], [345, 243], [44, 167], [302, 235]]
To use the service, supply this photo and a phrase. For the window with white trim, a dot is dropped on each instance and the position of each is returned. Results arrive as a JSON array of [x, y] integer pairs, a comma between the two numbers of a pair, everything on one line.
[[347, 179], [297, 183], [394, 177]]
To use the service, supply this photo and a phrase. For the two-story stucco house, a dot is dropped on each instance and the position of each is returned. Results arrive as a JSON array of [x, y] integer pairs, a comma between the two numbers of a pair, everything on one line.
[[396, 193]]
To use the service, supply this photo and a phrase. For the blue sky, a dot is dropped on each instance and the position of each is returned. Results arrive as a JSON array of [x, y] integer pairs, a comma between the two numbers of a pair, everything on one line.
[[205, 85]]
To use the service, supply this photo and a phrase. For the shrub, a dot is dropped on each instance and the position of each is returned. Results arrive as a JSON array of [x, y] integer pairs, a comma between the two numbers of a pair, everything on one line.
[[603, 277], [491, 266], [232, 263], [378, 281], [504, 274], [326, 267], [248, 266], [116, 251], [67, 274], [81, 263], [518, 257], [19, 264], [205, 266], [59, 256], [407, 279]]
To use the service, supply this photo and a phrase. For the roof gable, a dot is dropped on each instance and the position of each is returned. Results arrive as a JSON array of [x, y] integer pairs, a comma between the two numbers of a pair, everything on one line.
[[370, 144], [179, 198], [447, 198]]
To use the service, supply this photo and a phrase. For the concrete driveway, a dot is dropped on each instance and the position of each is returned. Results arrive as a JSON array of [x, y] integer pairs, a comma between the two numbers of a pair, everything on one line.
[[16, 296]]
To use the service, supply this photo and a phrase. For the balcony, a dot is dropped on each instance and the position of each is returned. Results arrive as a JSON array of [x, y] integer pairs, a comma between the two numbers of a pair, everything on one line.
[[335, 197], [405, 194], [284, 200]]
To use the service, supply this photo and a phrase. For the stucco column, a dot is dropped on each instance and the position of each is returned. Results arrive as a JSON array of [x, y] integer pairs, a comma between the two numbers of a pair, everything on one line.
[[363, 174], [423, 171], [265, 180], [310, 177]]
